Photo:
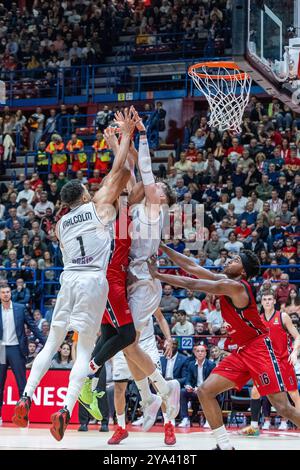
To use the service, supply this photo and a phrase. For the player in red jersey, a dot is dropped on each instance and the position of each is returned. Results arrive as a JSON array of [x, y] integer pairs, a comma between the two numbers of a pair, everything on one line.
[[281, 329], [254, 358]]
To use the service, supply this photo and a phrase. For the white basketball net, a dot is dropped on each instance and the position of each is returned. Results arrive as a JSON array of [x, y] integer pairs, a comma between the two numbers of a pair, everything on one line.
[[227, 97]]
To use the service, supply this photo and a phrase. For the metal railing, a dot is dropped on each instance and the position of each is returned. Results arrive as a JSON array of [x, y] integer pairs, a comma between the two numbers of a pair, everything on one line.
[[107, 82]]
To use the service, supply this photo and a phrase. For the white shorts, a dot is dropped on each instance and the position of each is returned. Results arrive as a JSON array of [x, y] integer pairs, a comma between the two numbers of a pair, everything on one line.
[[121, 371], [144, 298], [81, 301]]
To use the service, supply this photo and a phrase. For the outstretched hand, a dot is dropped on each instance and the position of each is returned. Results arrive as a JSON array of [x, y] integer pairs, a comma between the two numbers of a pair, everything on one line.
[[110, 137], [138, 121], [126, 120]]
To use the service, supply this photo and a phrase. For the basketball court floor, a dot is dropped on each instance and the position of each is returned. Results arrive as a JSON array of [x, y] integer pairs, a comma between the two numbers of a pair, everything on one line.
[[39, 438]]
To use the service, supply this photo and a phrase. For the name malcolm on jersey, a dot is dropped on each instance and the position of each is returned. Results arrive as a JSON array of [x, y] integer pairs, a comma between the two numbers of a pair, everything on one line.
[[76, 219]]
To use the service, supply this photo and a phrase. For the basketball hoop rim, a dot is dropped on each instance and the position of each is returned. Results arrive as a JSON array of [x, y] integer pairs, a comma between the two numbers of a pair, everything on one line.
[[192, 70]]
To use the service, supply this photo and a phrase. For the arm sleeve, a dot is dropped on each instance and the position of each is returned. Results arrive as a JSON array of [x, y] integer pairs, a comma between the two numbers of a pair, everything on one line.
[[144, 162]]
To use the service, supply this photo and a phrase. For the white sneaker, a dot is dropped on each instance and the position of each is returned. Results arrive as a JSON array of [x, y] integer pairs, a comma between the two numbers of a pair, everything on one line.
[[266, 426], [172, 399], [138, 422], [283, 426], [185, 423], [206, 425], [150, 410]]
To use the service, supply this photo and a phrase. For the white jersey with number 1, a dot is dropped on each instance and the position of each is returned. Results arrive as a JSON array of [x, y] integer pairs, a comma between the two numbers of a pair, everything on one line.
[[86, 244]]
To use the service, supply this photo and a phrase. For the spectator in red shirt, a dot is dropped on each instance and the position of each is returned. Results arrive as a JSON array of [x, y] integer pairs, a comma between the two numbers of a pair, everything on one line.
[[235, 152], [289, 250], [244, 231], [191, 152], [35, 181], [284, 289]]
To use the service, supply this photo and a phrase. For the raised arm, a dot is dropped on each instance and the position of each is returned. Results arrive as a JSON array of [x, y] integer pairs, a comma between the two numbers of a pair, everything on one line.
[[145, 165], [188, 265], [114, 183], [233, 289]]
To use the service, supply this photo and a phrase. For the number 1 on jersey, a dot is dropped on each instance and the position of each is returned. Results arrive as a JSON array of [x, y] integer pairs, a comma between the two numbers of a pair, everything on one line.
[[81, 245]]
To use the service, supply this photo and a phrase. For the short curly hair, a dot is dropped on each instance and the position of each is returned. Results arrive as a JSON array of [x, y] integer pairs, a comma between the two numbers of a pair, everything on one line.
[[71, 192], [251, 263]]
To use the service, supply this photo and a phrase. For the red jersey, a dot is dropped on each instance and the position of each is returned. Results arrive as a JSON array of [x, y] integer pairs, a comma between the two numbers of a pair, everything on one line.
[[280, 338], [119, 261], [245, 324]]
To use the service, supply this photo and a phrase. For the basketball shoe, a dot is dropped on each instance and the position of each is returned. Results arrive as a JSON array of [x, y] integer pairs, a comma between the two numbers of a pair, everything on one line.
[[86, 394], [119, 435], [60, 421], [172, 399], [170, 438], [20, 418], [93, 407], [150, 409], [250, 431]]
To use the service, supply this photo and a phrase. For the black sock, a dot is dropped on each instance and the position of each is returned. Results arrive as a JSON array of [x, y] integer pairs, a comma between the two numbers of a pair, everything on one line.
[[255, 409]]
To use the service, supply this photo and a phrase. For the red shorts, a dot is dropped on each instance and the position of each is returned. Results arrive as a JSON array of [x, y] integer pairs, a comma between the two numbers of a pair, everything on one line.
[[59, 168], [289, 375], [117, 312], [256, 361], [77, 166]]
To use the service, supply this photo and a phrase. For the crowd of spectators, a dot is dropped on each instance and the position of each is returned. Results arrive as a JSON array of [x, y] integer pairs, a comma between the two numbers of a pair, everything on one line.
[[73, 32]]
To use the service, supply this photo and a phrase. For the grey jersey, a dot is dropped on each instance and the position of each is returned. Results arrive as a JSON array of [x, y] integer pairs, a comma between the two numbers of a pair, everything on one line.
[[146, 236], [86, 243]]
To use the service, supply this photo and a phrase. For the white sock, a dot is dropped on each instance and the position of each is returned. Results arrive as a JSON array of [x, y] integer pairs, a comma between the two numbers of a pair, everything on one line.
[[144, 389], [121, 420], [222, 438], [167, 420], [254, 424], [95, 381], [79, 370], [160, 383]]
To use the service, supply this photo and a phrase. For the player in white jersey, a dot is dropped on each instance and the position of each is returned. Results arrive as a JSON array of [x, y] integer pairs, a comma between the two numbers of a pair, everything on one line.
[[85, 240], [144, 294], [121, 374]]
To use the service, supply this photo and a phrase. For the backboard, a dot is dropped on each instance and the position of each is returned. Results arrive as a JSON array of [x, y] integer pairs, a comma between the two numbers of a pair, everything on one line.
[[268, 45]]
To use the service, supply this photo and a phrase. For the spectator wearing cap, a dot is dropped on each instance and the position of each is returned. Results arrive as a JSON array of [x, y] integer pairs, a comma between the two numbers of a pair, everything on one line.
[[198, 371]]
